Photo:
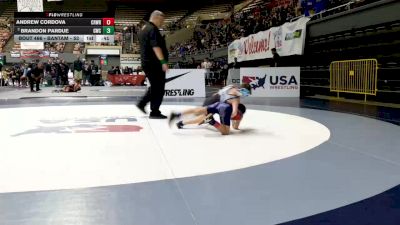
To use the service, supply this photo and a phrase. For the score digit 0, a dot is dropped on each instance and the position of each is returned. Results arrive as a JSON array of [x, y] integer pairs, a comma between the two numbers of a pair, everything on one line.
[[108, 21]]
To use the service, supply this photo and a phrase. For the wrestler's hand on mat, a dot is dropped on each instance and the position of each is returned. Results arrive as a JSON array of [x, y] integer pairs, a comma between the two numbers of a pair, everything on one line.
[[235, 124]]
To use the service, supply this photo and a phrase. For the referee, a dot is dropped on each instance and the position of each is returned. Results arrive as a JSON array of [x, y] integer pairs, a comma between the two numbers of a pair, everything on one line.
[[154, 56]]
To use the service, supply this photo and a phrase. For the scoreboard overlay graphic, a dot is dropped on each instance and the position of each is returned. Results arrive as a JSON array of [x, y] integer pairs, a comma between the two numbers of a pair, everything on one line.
[[65, 27]]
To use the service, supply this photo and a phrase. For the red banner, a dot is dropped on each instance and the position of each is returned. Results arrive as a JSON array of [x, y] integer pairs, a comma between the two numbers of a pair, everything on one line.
[[126, 79]]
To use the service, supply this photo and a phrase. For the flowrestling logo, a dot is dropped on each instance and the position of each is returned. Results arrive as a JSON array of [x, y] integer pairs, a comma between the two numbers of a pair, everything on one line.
[[179, 92], [84, 125], [275, 82]]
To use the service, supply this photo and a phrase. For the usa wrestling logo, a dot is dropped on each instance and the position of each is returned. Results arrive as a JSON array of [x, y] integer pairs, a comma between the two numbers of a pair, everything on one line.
[[275, 82], [255, 82], [84, 125]]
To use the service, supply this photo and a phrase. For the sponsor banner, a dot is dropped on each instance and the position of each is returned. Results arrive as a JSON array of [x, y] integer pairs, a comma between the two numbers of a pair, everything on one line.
[[15, 54], [272, 81], [185, 83], [30, 54], [288, 39], [32, 45], [130, 60], [35, 54], [233, 77], [53, 55], [126, 79]]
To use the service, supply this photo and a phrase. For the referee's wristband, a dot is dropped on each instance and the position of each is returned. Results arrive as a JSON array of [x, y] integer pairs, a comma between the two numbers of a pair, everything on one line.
[[163, 61]]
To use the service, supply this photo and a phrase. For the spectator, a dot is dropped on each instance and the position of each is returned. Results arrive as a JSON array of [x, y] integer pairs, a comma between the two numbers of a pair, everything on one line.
[[5, 78], [206, 64], [127, 70], [57, 72], [218, 34], [64, 72], [78, 66], [112, 70], [138, 70], [117, 71], [235, 64], [275, 59], [87, 72], [192, 64], [94, 69]]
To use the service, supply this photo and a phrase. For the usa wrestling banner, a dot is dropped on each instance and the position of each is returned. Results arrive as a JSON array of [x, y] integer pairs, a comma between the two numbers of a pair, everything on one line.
[[288, 39], [272, 81]]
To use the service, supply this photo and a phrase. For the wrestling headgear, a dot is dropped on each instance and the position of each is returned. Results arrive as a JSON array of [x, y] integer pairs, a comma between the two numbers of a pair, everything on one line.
[[244, 92]]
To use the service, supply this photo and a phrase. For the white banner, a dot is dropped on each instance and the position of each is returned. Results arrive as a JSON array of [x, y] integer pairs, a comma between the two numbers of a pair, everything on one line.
[[32, 45], [272, 81], [288, 39], [185, 83], [130, 60], [30, 5]]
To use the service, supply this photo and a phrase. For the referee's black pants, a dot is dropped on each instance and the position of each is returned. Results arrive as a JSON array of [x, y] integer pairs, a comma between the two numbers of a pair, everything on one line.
[[155, 93]]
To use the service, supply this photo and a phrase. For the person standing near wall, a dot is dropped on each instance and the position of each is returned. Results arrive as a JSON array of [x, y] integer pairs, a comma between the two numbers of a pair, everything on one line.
[[154, 56], [78, 66], [275, 58], [235, 64], [94, 69], [86, 73]]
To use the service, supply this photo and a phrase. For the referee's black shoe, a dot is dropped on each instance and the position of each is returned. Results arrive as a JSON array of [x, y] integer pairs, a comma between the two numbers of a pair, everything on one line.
[[157, 116], [141, 108]]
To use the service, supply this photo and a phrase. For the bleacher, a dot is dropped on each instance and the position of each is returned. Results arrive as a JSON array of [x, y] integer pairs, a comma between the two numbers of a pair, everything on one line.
[[174, 16], [9, 9], [5, 21], [376, 41], [254, 4], [125, 16], [208, 10], [85, 6]]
